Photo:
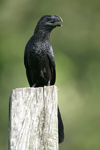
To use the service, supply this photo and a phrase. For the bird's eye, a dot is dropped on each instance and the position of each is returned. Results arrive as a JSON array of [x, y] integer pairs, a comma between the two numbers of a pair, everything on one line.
[[48, 18]]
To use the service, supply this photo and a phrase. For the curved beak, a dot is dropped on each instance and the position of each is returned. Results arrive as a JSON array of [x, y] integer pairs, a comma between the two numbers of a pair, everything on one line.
[[54, 21]]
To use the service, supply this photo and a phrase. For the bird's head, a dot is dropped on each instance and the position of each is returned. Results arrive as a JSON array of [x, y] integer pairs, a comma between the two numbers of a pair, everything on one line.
[[48, 22]]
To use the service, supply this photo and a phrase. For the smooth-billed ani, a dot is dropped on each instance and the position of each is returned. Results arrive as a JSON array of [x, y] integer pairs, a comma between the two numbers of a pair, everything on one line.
[[39, 59]]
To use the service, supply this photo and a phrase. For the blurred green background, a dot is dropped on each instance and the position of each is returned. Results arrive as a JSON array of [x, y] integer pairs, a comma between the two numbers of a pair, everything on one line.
[[77, 54]]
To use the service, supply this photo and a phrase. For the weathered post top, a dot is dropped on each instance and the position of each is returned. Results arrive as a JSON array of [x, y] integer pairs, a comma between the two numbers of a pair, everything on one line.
[[33, 122]]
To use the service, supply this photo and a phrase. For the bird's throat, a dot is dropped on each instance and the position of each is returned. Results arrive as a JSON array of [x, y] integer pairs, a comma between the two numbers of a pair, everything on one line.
[[42, 35]]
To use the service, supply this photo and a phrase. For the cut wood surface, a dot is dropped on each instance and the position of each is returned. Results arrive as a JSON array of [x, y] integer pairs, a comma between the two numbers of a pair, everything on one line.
[[33, 122]]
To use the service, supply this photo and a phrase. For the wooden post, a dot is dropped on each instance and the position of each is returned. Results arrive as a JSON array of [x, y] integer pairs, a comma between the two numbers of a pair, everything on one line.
[[33, 122]]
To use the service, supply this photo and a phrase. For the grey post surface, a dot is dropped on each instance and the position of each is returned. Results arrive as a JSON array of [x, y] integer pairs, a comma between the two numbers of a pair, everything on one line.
[[33, 122]]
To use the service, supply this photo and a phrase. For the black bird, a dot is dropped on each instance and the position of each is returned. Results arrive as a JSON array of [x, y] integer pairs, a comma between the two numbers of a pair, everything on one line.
[[39, 59]]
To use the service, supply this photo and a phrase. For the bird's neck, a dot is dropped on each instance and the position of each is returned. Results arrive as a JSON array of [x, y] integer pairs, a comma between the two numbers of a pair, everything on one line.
[[42, 35]]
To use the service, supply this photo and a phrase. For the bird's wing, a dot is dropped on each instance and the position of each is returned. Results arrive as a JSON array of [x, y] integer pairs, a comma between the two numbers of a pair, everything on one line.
[[52, 68]]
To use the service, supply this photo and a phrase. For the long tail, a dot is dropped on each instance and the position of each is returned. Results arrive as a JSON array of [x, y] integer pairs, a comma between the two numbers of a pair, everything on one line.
[[60, 128]]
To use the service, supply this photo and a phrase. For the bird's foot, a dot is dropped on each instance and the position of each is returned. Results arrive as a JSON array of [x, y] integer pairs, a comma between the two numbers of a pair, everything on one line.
[[34, 85], [48, 83]]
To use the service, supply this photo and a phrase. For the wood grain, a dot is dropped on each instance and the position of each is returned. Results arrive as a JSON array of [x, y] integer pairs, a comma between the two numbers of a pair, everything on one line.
[[33, 122]]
